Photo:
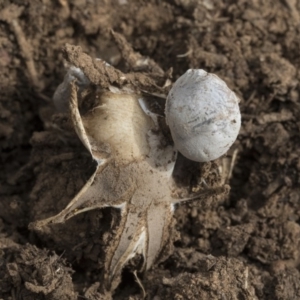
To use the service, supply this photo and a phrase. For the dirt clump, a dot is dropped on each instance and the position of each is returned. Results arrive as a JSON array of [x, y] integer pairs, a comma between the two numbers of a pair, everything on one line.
[[30, 272]]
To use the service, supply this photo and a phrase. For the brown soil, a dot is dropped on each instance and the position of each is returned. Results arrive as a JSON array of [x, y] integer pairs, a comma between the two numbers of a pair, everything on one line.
[[244, 246]]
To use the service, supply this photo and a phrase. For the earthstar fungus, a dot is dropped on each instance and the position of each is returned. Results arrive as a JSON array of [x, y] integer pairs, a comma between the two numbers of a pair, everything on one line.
[[133, 174]]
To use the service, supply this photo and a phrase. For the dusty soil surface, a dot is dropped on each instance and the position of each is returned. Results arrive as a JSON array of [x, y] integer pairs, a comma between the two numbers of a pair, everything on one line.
[[246, 244]]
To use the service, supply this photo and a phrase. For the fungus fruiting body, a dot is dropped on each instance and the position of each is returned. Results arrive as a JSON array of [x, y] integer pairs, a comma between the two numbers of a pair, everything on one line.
[[134, 166]]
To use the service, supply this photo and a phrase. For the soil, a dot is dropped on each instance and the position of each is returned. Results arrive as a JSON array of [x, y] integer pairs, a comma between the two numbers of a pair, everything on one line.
[[246, 244]]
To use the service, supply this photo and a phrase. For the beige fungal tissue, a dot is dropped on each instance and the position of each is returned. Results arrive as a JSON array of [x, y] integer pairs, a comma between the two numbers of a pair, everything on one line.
[[134, 164]]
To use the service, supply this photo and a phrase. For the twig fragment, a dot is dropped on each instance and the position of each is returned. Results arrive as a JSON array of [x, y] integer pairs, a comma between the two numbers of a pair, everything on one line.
[[10, 15]]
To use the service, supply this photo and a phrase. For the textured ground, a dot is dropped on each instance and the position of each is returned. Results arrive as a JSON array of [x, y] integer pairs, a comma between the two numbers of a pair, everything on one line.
[[245, 246]]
